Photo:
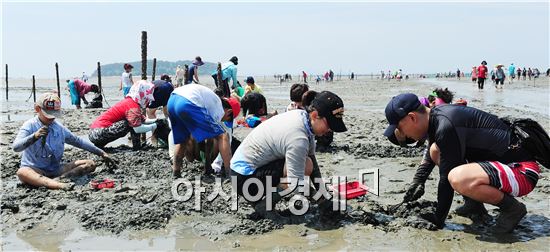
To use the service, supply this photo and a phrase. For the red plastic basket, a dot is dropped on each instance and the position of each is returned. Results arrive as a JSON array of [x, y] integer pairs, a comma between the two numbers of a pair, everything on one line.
[[351, 189], [100, 184]]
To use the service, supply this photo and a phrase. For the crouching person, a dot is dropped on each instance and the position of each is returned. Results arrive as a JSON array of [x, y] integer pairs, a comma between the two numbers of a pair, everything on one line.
[[125, 117], [197, 111], [478, 155], [284, 147], [79, 89], [161, 93], [42, 140]]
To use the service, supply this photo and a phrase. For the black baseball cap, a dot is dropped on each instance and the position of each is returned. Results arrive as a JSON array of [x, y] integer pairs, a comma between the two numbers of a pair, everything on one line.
[[249, 79], [235, 60], [330, 106], [398, 107]]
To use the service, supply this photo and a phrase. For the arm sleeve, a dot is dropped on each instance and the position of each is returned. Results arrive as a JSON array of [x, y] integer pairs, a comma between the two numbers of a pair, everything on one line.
[[134, 117], [316, 173], [295, 158], [234, 76], [24, 139], [425, 168], [450, 156], [145, 128], [79, 142]]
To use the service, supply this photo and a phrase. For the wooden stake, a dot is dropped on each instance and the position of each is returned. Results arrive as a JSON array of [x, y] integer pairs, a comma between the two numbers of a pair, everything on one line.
[[144, 55], [57, 78], [220, 77], [6, 82], [154, 69], [99, 77], [33, 89], [185, 73]]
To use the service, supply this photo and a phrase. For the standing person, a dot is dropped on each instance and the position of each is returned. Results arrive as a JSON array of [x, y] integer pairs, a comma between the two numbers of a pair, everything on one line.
[[474, 74], [458, 74], [126, 81], [524, 73], [352, 76], [284, 147], [511, 73], [331, 75], [327, 77], [229, 71], [180, 74], [536, 72], [478, 155], [197, 111], [78, 89], [84, 77], [481, 74], [304, 75], [125, 117], [193, 71], [530, 73], [251, 87], [41, 160], [499, 76], [382, 74]]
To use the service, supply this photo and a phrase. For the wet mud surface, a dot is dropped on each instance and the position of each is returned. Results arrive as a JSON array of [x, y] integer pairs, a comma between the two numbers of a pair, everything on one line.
[[142, 199]]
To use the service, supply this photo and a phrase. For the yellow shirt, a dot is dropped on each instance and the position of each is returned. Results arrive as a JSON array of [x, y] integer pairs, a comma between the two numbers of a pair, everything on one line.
[[257, 89]]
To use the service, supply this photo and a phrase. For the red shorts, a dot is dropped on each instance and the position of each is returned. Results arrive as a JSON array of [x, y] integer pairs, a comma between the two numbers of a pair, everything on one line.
[[516, 179]]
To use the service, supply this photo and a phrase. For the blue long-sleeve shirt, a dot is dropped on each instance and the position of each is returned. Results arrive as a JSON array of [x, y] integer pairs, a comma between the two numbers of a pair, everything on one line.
[[47, 157]]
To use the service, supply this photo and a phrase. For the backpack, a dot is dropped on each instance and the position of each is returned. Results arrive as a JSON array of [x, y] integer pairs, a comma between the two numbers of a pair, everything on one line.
[[531, 136]]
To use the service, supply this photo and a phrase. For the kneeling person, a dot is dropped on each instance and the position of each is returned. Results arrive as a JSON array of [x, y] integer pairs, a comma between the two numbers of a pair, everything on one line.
[[125, 117]]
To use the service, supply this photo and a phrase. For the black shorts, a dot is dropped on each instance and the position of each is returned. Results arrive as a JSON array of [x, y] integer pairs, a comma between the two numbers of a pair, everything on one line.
[[501, 81], [480, 80], [275, 169]]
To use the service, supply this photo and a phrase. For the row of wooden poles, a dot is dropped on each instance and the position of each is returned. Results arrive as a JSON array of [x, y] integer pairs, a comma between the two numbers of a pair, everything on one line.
[[143, 70]]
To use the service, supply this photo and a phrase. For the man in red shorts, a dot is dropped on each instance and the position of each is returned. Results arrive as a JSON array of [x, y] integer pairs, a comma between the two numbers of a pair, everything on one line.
[[477, 154]]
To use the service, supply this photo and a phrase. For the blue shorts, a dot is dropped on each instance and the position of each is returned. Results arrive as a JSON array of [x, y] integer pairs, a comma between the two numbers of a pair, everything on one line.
[[189, 119], [125, 91], [75, 98]]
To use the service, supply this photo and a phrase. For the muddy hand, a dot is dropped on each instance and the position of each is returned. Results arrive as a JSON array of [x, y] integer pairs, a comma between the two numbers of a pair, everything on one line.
[[415, 191], [42, 132], [110, 162]]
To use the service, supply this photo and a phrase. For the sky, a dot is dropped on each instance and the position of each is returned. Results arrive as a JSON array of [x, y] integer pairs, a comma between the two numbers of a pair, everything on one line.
[[269, 37]]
